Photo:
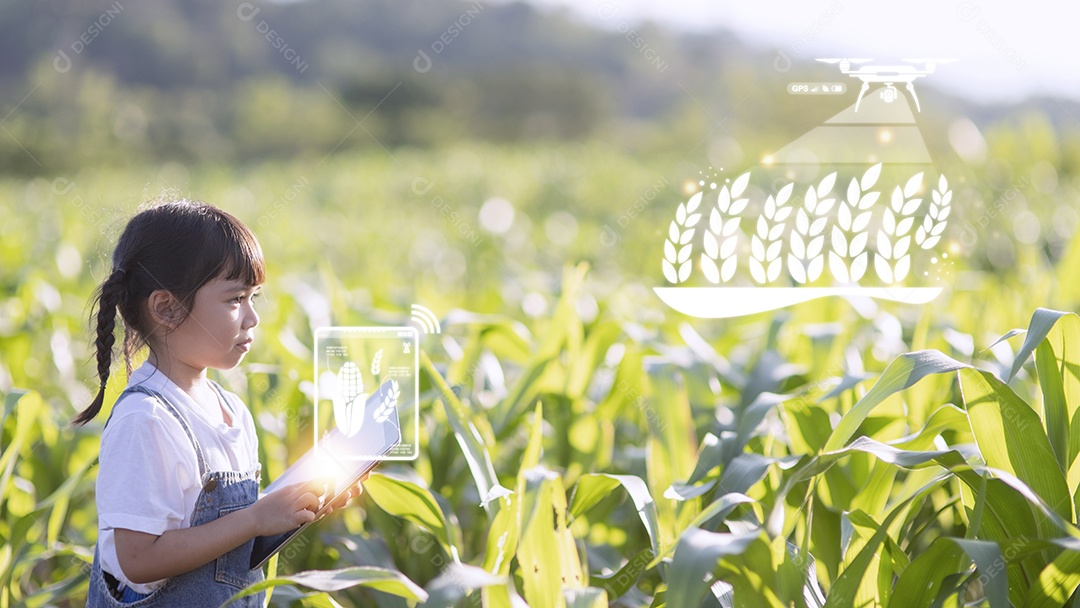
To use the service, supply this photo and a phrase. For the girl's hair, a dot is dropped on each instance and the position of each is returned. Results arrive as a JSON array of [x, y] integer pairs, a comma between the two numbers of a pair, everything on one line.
[[176, 246]]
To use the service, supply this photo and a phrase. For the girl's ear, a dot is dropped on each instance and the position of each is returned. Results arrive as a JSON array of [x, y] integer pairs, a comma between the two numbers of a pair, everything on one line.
[[165, 310]]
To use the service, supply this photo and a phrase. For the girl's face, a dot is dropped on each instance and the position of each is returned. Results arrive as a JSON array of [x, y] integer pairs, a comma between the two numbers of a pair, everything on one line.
[[219, 329]]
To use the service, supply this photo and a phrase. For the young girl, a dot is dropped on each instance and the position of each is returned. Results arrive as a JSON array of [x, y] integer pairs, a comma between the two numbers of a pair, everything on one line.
[[178, 485]]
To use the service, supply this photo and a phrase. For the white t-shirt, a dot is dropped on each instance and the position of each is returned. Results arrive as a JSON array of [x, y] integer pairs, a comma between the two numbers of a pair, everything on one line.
[[148, 478]]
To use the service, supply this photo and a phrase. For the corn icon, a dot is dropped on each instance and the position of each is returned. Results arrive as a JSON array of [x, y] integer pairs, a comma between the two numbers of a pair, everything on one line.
[[349, 399]]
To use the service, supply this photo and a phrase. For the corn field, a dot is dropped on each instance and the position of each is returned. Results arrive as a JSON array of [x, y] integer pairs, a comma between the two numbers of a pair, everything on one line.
[[581, 445]]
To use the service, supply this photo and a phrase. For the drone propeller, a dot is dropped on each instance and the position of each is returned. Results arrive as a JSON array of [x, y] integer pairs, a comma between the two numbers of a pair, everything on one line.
[[838, 60], [945, 60]]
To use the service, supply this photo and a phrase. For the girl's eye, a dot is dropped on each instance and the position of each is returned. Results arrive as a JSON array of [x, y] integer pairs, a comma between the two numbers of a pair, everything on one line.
[[240, 299]]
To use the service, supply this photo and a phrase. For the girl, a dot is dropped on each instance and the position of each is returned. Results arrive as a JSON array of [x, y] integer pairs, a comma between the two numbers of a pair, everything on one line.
[[178, 485]]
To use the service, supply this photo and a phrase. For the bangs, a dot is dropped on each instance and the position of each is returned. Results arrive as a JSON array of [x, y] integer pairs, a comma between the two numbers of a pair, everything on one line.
[[242, 257]]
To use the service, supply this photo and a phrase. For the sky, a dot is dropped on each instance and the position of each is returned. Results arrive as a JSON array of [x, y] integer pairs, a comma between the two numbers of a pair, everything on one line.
[[1005, 50]]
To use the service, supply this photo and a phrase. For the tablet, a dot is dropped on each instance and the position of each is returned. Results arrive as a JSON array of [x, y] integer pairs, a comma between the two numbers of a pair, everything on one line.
[[339, 460]]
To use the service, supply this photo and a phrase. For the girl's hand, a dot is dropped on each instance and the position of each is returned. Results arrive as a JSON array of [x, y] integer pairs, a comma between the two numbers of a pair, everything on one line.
[[353, 492], [287, 508]]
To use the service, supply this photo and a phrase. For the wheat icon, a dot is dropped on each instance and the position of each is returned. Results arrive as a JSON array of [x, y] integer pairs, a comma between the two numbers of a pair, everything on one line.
[[852, 219], [722, 235], [677, 262], [892, 261], [927, 235], [806, 258], [765, 245], [376, 362], [389, 402]]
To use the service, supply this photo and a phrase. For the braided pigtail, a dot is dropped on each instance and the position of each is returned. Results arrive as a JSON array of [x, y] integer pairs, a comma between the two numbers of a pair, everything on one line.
[[108, 300]]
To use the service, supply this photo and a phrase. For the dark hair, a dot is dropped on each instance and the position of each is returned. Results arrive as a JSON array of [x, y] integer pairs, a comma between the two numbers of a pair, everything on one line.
[[176, 246]]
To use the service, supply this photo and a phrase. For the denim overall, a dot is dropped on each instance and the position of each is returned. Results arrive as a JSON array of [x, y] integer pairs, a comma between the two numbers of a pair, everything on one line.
[[211, 584]]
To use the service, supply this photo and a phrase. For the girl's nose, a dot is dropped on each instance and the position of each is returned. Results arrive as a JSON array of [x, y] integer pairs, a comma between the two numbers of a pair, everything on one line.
[[251, 317]]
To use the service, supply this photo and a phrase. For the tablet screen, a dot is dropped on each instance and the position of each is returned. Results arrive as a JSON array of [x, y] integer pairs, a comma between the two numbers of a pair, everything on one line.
[[338, 459], [339, 462], [350, 363]]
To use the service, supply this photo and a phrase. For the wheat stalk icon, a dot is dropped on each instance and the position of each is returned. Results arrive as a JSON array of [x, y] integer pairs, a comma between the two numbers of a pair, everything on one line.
[[934, 223], [722, 236], [677, 247], [389, 402], [892, 260], [766, 243], [848, 258], [806, 259], [376, 362]]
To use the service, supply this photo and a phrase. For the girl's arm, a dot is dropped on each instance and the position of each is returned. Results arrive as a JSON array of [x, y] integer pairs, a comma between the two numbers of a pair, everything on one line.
[[147, 557]]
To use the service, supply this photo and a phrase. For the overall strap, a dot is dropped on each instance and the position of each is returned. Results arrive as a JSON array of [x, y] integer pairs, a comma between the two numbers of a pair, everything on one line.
[[224, 400], [203, 468]]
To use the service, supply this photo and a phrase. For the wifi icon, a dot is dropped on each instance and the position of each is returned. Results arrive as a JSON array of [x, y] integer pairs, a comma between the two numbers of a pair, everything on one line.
[[426, 319]]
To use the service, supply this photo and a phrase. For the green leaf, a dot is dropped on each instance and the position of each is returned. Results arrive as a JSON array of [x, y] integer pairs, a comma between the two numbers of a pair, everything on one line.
[[762, 575], [10, 400], [547, 554], [719, 508], [696, 555], [1054, 406], [505, 530], [749, 419], [1057, 361], [587, 597], [903, 372], [1011, 438], [710, 456], [468, 438], [457, 581], [581, 370], [533, 450], [507, 411], [564, 325], [60, 499], [271, 572], [53, 594], [593, 487], [925, 579], [622, 581], [319, 600], [845, 590], [24, 424], [807, 424], [990, 564], [380, 579], [1042, 321], [671, 440], [1056, 582], [417, 504]]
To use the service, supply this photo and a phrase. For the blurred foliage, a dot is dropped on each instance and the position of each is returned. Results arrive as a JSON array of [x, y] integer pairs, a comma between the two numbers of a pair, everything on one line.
[[100, 83]]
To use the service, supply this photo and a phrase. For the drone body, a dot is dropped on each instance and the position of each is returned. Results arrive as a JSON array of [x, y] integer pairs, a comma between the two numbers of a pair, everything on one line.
[[888, 75]]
